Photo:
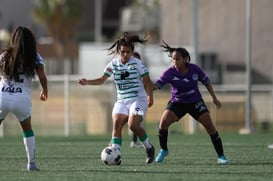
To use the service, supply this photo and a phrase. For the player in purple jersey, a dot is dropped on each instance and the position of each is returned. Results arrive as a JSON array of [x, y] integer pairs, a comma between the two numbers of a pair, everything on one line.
[[186, 98]]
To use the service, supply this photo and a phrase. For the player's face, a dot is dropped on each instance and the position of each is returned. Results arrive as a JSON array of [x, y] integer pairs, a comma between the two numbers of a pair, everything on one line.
[[125, 53], [177, 60]]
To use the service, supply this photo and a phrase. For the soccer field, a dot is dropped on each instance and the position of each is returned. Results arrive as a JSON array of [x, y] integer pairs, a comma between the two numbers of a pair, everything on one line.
[[191, 157]]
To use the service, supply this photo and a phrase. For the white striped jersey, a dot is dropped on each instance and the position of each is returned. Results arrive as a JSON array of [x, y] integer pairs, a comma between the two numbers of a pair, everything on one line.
[[127, 77]]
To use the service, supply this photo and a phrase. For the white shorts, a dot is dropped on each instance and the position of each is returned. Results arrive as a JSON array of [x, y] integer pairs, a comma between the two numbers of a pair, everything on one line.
[[20, 106], [136, 106]]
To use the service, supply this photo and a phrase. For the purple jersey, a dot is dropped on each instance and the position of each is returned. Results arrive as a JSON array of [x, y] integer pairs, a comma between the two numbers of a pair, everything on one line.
[[184, 86]]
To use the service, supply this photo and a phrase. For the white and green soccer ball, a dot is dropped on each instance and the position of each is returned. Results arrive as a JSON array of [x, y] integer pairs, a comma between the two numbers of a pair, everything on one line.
[[111, 156]]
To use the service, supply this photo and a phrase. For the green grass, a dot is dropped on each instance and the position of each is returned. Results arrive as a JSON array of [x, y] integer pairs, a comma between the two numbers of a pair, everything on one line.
[[191, 157]]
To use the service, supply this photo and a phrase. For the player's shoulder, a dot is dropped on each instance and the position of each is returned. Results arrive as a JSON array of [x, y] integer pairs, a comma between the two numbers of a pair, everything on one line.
[[114, 61], [39, 59], [170, 69], [135, 60], [192, 66]]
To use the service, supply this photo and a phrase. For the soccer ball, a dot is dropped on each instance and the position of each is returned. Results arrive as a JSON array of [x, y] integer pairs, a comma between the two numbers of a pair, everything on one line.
[[111, 156]]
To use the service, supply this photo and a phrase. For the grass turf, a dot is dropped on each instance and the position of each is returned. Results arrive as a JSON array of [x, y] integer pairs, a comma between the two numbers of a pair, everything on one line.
[[191, 157]]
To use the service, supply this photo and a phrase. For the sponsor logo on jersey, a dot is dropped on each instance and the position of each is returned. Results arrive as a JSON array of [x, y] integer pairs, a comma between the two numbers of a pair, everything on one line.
[[123, 75], [12, 89]]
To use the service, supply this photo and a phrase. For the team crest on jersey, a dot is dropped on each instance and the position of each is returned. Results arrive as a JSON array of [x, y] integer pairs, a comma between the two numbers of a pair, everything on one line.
[[131, 67], [194, 77]]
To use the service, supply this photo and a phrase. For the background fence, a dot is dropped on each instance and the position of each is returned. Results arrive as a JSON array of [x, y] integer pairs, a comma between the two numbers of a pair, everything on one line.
[[72, 109]]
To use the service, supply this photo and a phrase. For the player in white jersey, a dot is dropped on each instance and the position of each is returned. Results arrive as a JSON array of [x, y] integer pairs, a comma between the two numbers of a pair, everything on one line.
[[134, 91], [18, 65], [134, 140]]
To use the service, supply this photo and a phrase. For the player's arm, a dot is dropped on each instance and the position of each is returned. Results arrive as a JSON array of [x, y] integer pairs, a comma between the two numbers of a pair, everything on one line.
[[43, 81], [211, 91], [97, 81], [148, 85], [155, 87]]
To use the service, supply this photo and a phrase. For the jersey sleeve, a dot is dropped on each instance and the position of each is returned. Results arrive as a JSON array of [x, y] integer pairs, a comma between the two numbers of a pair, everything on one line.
[[163, 79], [39, 60], [141, 68], [108, 70], [2, 64], [203, 77]]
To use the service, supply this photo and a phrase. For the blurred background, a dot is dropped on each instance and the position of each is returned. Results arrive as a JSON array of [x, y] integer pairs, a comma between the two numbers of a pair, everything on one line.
[[231, 40]]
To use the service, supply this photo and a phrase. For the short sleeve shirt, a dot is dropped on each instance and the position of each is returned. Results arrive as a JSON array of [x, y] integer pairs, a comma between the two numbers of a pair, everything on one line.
[[127, 77], [184, 86], [24, 85]]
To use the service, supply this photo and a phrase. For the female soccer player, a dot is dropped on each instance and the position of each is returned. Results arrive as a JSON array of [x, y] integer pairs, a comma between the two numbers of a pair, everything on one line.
[[18, 65], [134, 91], [186, 98], [134, 143]]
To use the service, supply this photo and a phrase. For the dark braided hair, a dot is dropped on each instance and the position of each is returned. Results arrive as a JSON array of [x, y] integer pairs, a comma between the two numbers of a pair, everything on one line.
[[21, 56], [126, 40], [137, 55], [183, 52]]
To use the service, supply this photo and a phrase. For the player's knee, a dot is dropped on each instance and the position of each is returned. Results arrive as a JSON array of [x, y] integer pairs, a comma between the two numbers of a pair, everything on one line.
[[133, 127]]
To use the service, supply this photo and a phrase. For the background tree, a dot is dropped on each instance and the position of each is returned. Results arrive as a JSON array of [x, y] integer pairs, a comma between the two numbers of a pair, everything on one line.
[[60, 18]]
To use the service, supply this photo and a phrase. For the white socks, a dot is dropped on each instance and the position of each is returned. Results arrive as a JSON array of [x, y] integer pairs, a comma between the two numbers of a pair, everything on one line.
[[146, 143], [29, 143]]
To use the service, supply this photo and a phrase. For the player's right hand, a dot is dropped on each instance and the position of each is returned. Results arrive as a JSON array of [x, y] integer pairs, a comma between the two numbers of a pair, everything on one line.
[[82, 81]]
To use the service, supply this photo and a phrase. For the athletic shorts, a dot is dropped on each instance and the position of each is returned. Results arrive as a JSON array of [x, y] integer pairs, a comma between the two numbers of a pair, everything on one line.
[[136, 106], [194, 109], [20, 106]]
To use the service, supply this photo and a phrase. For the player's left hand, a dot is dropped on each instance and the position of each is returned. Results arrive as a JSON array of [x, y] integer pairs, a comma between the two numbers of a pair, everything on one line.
[[217, 103], [150, 101], [43, 96]]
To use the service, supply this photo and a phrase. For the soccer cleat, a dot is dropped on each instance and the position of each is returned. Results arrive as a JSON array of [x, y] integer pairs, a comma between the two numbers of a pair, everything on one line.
[[222, 160], [150, 155], [135, 145], [32, 167], [161, 155]]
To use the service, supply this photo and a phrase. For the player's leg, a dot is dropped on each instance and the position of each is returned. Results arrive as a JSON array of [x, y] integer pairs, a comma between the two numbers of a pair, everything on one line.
[[134, 123], [206, 121], [168, 117], [134, 143], [4, 109], [29, 142], [119, 118], [118, 122], [3, 114], [134, 138], [1, 128], [138, 110]]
